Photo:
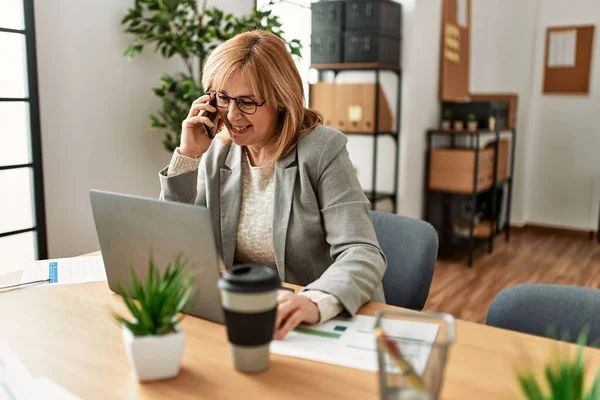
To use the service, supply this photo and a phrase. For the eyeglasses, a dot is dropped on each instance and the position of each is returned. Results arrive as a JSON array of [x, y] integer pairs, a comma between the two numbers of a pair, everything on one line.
[[245, 104]]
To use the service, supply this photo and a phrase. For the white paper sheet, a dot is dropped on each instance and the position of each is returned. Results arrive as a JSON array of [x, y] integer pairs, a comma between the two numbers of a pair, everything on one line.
[[65, 271], [352, 343], [562, 49], [16, 383]]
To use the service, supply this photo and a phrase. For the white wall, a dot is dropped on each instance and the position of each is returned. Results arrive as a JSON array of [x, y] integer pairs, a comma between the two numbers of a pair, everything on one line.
[[562, 157], [502, 35], [420, 102], [236, 7], [94, 114], [557, 176], [502, 46]]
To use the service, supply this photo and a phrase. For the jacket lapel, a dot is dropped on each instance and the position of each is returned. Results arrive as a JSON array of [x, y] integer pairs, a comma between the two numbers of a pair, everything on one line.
[[285, 178], [230, 199]]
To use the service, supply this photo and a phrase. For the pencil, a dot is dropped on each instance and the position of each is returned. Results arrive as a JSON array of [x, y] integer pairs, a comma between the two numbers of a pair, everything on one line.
[[392, 349], [23, 284]]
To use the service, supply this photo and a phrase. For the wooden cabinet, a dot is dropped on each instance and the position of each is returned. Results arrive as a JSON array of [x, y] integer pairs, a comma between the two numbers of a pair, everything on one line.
[[464, 201], [452, 170]]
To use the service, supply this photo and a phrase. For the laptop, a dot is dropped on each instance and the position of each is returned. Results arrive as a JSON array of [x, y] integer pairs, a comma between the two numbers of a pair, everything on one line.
[[130, 227]]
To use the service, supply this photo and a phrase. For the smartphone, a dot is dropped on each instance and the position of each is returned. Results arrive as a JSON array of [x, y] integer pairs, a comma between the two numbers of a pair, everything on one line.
[[211, 132]]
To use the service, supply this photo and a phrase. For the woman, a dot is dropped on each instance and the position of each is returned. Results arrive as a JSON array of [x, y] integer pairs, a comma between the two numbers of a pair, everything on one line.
[[280, 186]]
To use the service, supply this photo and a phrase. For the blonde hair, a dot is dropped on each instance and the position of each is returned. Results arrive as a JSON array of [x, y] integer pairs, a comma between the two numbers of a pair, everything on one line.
[[274, 78]]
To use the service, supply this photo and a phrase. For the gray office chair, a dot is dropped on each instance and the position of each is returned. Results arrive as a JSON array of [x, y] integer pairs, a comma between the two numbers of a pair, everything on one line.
[[411, 248], [547, 310]]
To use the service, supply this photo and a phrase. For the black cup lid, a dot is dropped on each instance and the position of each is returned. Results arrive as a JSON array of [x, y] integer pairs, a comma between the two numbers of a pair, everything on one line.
[[250, 278]]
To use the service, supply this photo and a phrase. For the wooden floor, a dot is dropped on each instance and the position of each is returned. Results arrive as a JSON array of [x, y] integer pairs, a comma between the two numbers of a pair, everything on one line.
[[529, 257]]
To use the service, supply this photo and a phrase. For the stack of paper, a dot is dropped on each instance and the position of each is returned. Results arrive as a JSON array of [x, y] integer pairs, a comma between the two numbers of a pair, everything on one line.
[[66, 270], [352, 343], [16, 383]]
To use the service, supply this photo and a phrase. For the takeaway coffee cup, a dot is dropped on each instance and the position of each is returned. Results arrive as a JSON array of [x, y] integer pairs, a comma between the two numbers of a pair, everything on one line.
[[249, 300]]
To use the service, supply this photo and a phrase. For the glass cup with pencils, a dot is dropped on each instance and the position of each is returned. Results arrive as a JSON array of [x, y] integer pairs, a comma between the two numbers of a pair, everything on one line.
[[412, 349]]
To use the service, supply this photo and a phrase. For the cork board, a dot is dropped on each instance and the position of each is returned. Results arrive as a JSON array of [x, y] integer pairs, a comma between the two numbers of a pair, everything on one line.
[[455, 50], [568, 59]]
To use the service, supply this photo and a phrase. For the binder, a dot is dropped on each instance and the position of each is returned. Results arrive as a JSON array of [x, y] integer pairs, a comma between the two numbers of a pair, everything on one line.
[[322, 99], [355, 112], [343, 100], [384, 115]]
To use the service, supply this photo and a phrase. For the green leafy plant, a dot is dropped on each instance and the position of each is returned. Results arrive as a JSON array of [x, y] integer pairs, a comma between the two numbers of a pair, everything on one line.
[[564, 378], [191, 31], [447, 114], [471, 118], [159, 299]]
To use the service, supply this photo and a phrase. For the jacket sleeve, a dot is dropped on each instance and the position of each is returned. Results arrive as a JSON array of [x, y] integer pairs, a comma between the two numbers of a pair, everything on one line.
[[187, 187], [359, 262]]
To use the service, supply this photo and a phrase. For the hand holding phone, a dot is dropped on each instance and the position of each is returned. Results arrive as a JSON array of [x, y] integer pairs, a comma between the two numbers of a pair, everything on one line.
[[200, 127]]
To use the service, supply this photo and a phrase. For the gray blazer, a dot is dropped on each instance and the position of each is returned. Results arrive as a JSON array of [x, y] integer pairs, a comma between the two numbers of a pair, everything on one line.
[[323, 236]]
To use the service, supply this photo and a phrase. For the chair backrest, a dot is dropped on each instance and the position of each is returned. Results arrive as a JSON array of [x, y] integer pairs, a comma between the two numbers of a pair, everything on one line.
[[547, 310], [411, 247]]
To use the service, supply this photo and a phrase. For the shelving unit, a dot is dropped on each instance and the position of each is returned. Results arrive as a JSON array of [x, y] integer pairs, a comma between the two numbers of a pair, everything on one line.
[[481, 191], [373, 195]]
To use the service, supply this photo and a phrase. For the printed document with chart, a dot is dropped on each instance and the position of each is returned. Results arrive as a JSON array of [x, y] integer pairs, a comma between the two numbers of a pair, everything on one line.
[[66, 270], [352, 343]]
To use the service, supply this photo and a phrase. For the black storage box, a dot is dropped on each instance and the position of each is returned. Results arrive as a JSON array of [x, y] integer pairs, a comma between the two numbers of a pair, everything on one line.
[[327, 47], [482, 110], [370, 15], [371, 46], [328, 16]]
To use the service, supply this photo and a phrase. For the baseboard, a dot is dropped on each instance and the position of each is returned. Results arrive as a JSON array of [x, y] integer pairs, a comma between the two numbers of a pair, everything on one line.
[[553, 230]]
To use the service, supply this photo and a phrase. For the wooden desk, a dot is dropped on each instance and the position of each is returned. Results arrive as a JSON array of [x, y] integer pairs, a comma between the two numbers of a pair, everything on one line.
[[66, 334]]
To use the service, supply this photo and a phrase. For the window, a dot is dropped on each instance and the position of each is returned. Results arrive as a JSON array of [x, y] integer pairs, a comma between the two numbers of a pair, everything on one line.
[[296, 22], [22, 217]]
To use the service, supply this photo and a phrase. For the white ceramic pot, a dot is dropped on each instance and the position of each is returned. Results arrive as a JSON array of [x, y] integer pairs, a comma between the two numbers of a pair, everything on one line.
[[154, 357], [446, 125], [458, 126]]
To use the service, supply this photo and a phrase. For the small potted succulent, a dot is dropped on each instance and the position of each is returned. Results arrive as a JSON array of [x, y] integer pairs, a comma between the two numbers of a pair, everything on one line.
[[471, 123], [447, 120], [458, 125], [153, 339]]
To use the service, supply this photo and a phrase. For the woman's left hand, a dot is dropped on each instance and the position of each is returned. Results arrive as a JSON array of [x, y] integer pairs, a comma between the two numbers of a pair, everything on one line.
[[293, 309]]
